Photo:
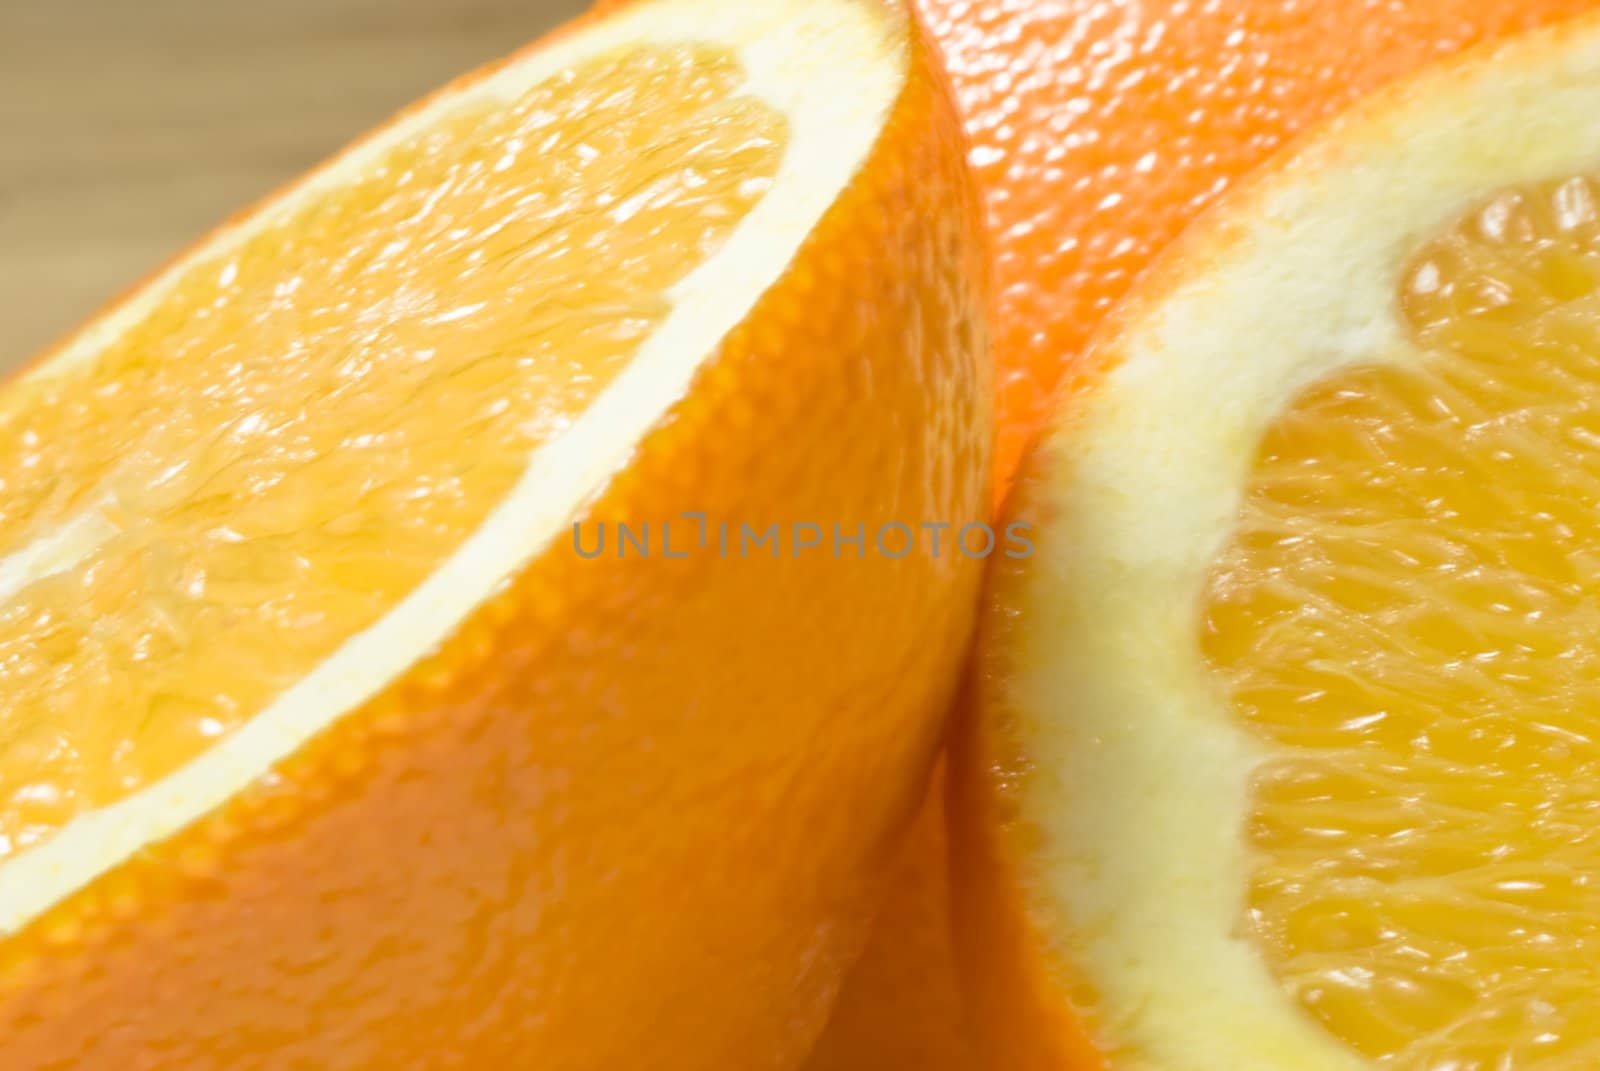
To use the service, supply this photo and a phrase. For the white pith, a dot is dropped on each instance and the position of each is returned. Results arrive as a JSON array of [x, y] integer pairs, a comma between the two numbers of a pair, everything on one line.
[[833, 68], [1137, 780]]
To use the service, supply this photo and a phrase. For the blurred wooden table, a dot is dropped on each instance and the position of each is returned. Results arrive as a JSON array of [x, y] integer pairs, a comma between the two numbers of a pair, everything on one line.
[[129, 127]]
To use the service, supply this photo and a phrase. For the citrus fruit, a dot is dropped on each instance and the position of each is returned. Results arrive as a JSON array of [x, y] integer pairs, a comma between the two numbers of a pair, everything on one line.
[[428, 600], [1098, 132], [1284, 753]]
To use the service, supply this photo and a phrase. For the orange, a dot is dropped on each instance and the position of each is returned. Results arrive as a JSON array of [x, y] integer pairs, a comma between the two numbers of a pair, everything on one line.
[[332, 740], [1285, 739], [1098, 131]]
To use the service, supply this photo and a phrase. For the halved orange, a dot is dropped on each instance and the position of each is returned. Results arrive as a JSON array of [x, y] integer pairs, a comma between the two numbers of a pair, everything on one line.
[[332, 740], [1286, 736], [1099, 131]]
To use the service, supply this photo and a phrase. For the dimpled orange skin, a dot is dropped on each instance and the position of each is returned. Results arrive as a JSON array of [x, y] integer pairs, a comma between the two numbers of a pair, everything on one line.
[[632, 813], [1098, 131]]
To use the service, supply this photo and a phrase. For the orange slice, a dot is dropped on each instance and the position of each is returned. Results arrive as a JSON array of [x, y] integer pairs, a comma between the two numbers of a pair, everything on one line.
[[1099, 131], [1285, 735], [331, 738]]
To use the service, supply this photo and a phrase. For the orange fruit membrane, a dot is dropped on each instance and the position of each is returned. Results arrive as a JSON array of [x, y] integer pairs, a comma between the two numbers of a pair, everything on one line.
[[1290, 727], [327, 745]]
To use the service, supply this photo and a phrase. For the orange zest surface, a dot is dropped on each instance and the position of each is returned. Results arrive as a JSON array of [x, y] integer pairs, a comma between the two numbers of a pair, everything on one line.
[[1407, 613], [305, 425]]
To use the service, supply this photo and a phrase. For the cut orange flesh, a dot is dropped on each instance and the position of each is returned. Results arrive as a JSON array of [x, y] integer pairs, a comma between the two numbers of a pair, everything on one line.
[[329, 745], [1407, 613], [302, 427], [1286, 738]]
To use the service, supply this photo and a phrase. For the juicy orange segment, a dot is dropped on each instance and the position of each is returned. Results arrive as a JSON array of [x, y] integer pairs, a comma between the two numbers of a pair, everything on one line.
[[297, 433], [1408, 612]]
